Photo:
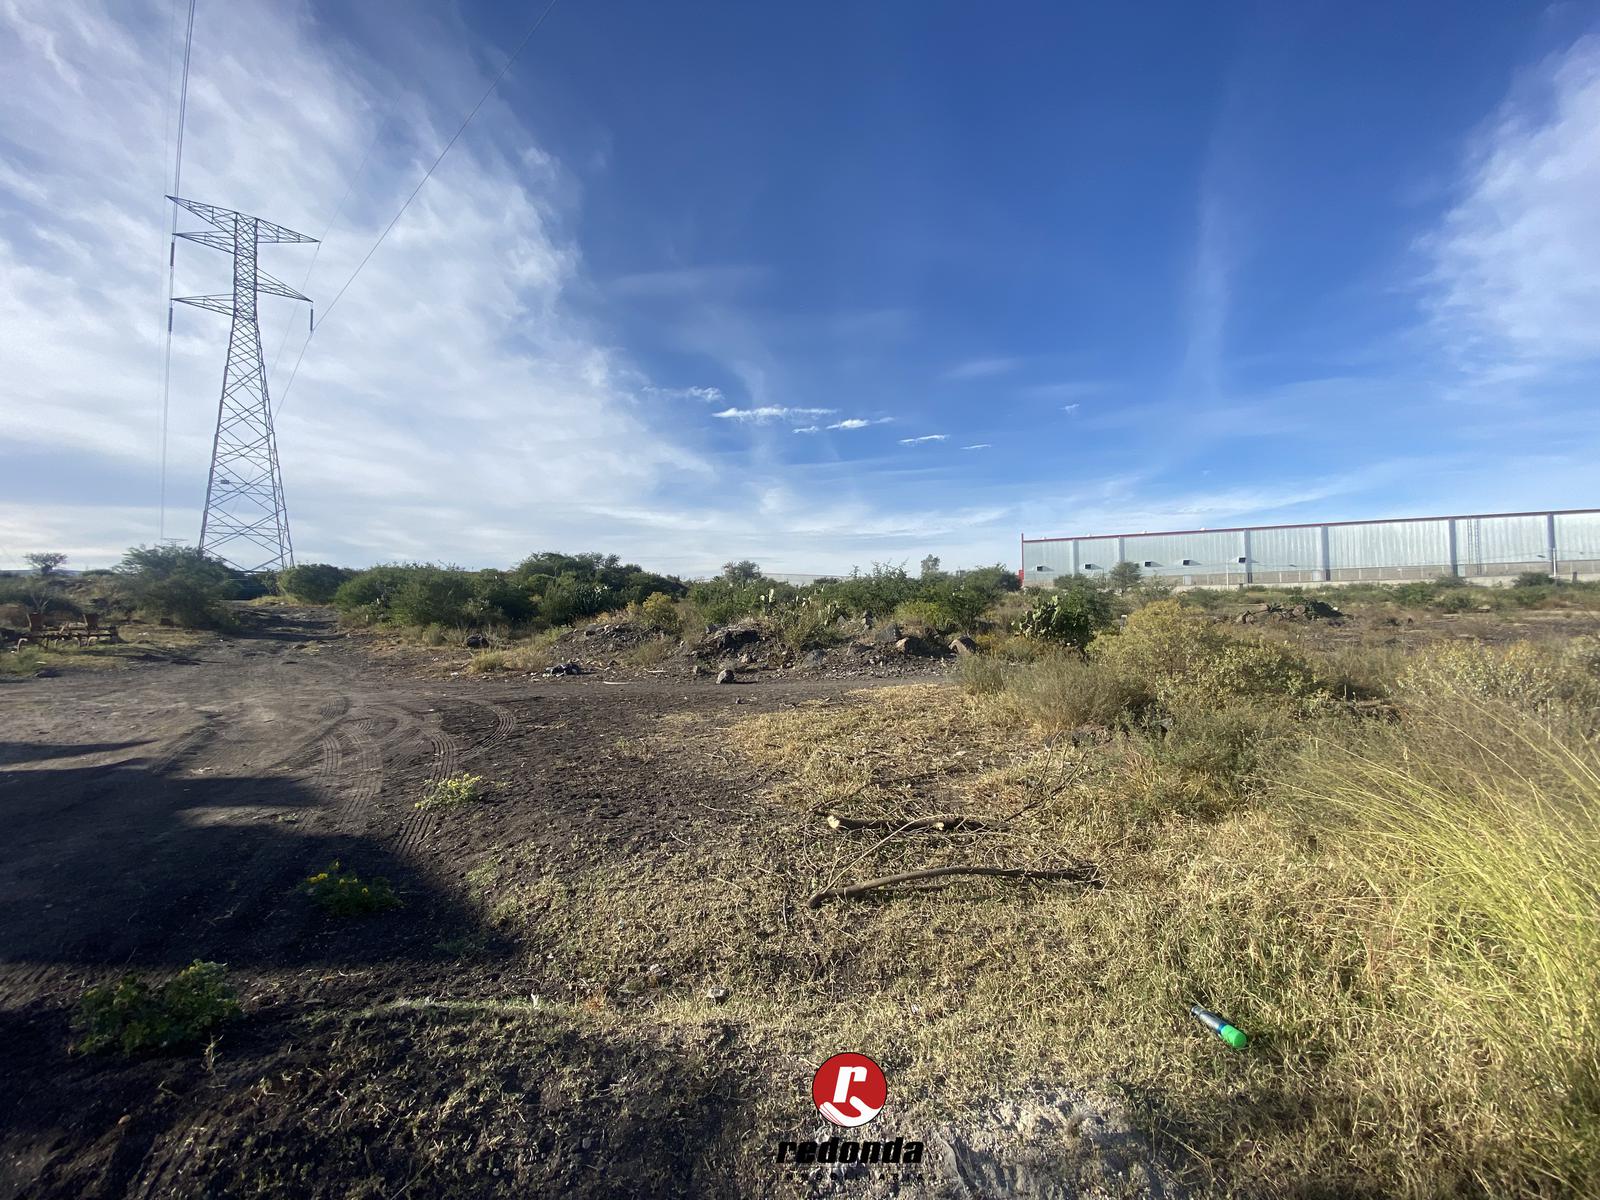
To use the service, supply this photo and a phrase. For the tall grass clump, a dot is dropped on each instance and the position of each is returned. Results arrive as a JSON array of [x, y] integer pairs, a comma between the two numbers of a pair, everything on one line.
[[1477, 824]]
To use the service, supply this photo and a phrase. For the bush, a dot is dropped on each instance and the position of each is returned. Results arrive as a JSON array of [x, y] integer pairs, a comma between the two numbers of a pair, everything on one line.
[[659, 613], [345, 894], [314, 583], [1522, 675], [1058, 691], [1183, 656], [433, 596], [1533, 579], [1070, 614], [180, 583], [131, 1017], [928, 615], [1124, 577]]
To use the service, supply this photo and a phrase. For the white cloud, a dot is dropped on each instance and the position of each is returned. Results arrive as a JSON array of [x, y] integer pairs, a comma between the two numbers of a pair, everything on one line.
[[927, 437], [450, 406], [860, 423], [810, 429], [767, 412], [710, 395], [1070, 408], [1516, 260], [977, 446]]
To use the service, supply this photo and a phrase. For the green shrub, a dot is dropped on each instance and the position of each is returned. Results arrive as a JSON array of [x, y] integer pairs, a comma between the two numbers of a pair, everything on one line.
[[433, 596], [1070, 614], [313, 583], [804, 627], [1533, 579], [345, 894], [926, 614], [448, 793], [659, 613], [131, 1017], [179, 583]]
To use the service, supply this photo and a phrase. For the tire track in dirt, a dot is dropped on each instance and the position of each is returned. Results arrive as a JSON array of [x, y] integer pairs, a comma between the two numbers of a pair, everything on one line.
[[505, 724], [443, 757], [351, 767]]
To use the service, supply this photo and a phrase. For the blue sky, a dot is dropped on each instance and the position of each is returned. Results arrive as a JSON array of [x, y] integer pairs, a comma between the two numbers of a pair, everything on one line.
[[817, 285]]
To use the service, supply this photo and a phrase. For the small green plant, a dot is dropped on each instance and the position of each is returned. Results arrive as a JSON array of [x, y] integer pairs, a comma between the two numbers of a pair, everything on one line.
[[345, 894], [1069, 614], [132, 1017], [448, 793]]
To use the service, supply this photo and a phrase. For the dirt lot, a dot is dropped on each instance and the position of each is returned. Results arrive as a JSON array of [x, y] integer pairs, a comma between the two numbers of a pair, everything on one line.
[[165, 813]]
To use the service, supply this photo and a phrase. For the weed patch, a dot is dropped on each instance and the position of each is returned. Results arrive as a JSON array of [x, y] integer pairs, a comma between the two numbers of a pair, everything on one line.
[[133, 1018], [453, 792], [345, 894]]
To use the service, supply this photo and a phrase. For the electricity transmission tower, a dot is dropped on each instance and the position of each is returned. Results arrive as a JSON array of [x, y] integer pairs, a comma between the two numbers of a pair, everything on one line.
[[245, 523]]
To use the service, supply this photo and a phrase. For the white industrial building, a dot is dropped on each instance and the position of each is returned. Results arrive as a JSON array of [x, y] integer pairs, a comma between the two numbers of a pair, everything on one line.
[[1484, 548]]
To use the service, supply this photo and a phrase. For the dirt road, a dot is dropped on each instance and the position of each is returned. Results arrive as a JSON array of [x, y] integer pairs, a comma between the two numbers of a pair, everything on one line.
[[165, 813]]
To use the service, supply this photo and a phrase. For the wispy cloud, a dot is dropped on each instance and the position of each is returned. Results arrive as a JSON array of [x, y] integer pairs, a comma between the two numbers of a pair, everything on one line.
[[710, 395], [810, 429], [767, 412], [927, 437], [860, 422], [1516, 261], [983, 368], [977, 446], [1070, 408]]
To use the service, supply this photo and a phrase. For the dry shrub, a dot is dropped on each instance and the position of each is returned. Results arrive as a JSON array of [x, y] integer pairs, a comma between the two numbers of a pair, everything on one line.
[[1525, 676], [1181, 655]]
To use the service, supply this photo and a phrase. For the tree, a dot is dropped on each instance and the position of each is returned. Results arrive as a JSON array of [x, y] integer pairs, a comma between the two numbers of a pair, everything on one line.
[[45, 564], [930, 567], [743, 571], [1124, 577]]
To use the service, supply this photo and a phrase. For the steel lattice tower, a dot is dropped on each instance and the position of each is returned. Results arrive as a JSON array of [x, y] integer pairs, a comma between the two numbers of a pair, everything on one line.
[[245, 523]]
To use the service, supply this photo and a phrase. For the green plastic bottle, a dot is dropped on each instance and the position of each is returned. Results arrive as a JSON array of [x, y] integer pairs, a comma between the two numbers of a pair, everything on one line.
[[1219, 1025]]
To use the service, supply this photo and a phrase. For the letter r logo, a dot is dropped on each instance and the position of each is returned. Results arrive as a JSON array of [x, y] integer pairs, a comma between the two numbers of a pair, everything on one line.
[[847, 1076], [849, 1090]]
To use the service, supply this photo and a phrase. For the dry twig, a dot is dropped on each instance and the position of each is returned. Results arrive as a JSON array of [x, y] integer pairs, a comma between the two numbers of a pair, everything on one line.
[[1079, 874]]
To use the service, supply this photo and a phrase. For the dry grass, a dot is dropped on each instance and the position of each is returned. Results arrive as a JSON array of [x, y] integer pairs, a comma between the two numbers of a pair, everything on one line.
[[534, 653], [1402, 915]]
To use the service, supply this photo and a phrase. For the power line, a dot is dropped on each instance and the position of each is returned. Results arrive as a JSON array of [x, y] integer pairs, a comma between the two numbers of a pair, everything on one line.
[[172, 254], [482, 100]]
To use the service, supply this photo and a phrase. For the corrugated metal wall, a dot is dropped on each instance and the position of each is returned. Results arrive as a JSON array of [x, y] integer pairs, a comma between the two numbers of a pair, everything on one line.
[[1477, 546]]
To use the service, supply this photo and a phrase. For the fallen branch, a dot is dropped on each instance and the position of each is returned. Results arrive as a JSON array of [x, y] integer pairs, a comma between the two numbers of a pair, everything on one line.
[[1080, 874], [944, 823]]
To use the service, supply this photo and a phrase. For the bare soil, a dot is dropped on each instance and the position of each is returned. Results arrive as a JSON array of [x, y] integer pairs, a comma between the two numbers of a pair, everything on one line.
[[165, 812]]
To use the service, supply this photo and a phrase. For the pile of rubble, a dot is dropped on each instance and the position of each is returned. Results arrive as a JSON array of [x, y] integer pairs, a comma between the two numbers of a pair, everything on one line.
[[1304, 610], [748, 646]]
